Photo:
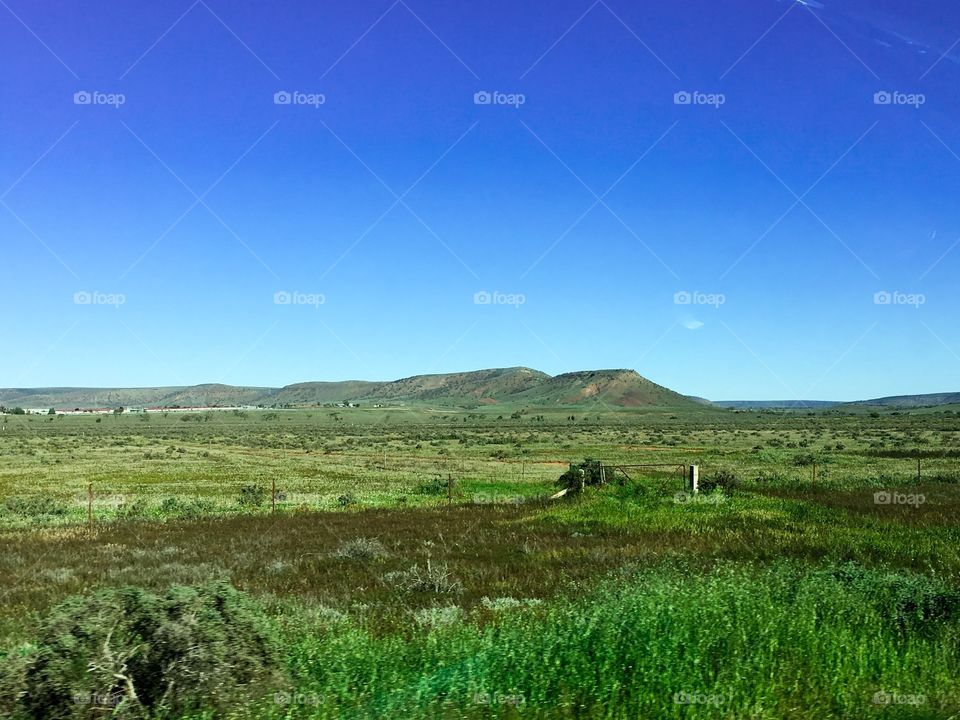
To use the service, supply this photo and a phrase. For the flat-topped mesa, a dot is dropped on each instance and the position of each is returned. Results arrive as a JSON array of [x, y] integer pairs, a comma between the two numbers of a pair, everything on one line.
[[524, 386]]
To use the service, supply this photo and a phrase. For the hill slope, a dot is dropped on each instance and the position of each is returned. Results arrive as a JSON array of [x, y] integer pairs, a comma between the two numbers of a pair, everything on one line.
[[517, 385], [616, 388]]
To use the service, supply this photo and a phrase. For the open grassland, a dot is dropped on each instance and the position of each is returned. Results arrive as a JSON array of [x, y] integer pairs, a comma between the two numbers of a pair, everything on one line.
[[779, 596]]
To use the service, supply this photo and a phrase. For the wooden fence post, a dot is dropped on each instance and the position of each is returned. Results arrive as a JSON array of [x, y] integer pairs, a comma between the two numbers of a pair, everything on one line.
[[814, 473], [273, 495], [90, 504]]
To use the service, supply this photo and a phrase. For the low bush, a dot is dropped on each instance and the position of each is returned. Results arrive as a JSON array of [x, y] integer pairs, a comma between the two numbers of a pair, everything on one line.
[[192, 508], [722, 479], [251, 496], [34, 506], [434, 578], [138, 655], [362, 549], [436, 486]]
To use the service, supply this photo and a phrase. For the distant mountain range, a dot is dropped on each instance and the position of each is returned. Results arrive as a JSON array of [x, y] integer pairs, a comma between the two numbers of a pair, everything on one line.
[[897, 401], [514, 386], [518, 386]]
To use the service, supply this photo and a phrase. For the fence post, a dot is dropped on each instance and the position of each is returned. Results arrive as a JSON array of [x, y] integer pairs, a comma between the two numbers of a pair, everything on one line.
[[273, 495], [814, 473], [694, 479], [918, 468], [449, 489], [90, 504]]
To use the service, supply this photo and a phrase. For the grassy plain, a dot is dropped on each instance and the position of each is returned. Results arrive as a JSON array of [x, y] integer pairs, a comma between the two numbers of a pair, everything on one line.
[[783, 597]]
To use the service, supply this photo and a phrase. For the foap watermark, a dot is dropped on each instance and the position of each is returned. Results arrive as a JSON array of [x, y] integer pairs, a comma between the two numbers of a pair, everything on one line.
[[485, 698], [496, 499], [484, 297], [685, 297], [687, 498], [697, 698], [882, 697], [695, 97], [295, 97], [295, 698], [95, 297], [98, 699], [895, 97], [884, 297], [285, 297], [892, 497], [95, 97], [495, 97]]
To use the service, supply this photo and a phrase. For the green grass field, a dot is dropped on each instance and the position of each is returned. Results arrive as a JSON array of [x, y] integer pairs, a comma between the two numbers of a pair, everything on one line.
[[412, 566]]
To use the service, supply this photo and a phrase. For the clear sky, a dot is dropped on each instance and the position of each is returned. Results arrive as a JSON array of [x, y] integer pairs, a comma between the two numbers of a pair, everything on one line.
[[262, 193]]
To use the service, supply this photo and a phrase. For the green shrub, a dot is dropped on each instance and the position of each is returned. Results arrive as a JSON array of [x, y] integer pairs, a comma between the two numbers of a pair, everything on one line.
[[589, 472], [910, 600], [140, 655], [435, 578], [139, 508], [34, 506], [362, 549], [722, 479], [251, 495], [436, 486], [192, 508]]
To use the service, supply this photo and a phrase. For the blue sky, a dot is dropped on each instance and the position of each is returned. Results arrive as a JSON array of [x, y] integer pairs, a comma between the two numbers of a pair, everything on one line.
[[712, 193]]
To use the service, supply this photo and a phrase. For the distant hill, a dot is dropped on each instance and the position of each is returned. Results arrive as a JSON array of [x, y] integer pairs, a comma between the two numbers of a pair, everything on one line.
[[479, 386], [893, 401], [194, 396], [619, 388], [310, 393], [776, 404], [517, 385], [908, 401]]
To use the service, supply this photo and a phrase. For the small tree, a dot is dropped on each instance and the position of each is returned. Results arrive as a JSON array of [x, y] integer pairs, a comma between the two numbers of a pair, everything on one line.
[[137, 654], [589, 472]]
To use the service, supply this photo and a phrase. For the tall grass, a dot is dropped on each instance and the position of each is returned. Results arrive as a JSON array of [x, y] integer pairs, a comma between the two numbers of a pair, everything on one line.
[[783, 642]]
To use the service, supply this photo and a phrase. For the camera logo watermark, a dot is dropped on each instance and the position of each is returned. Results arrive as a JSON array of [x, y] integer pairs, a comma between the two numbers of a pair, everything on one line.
[[284, 297], [888, 497], [896, 297], [84, 297], [484, 297], [895, 97], [684, 297], [295, 97], [484, 97], [695, 97], [688, 698], [95, 97], [882, 697]]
